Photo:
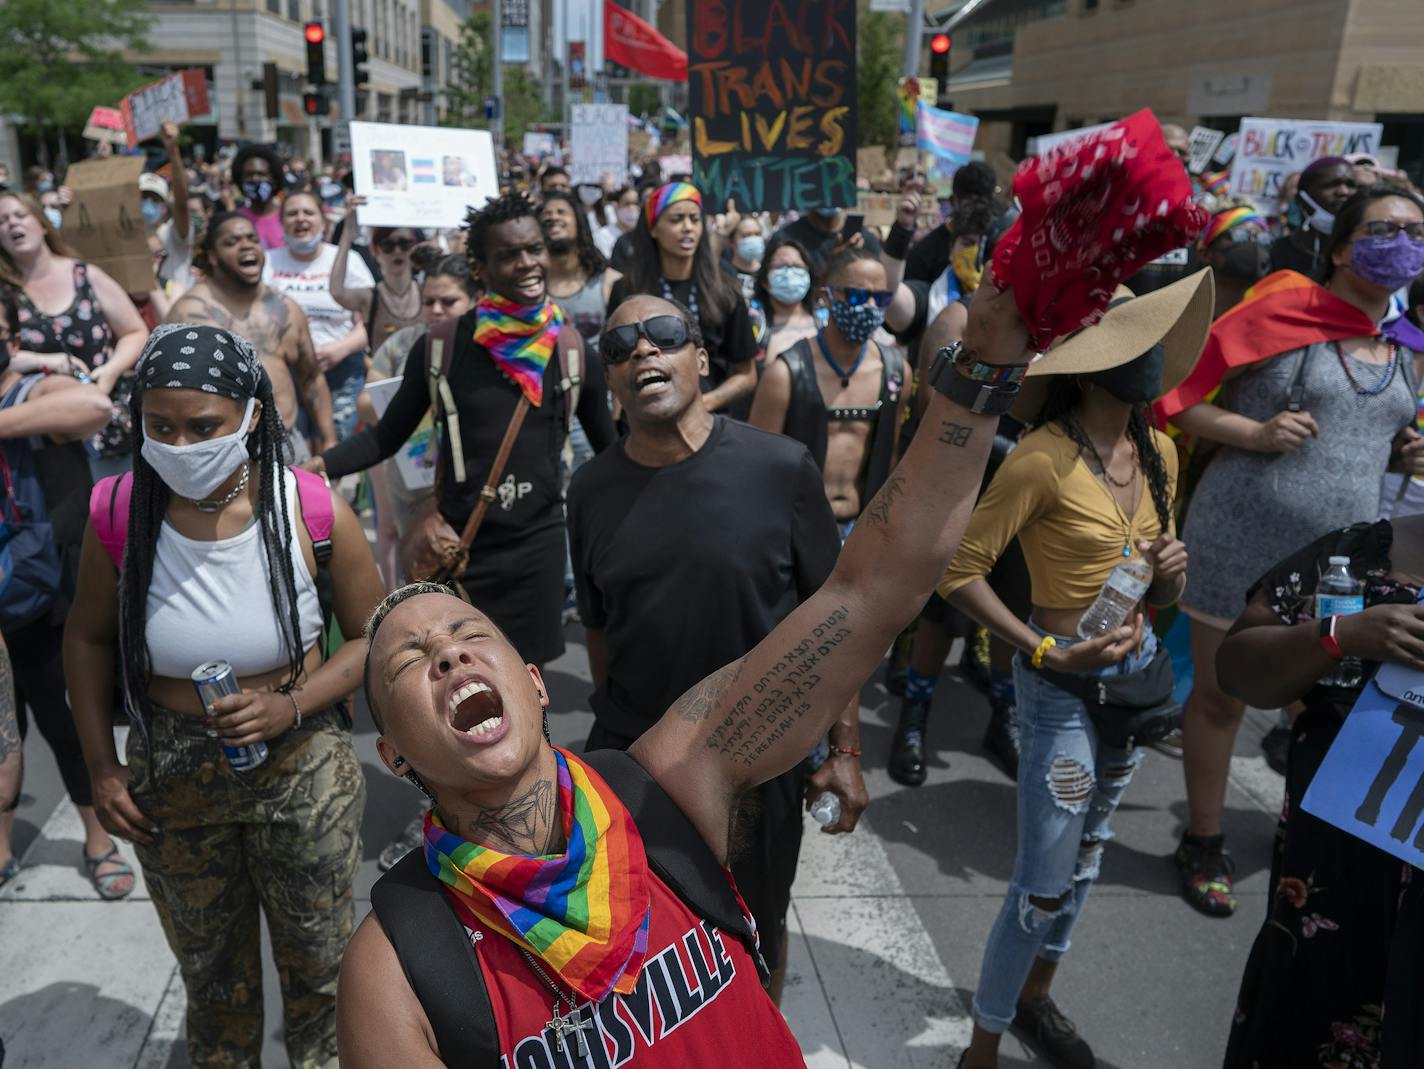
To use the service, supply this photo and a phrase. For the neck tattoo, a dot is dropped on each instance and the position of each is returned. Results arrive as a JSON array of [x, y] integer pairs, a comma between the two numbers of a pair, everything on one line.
[[217, 505]]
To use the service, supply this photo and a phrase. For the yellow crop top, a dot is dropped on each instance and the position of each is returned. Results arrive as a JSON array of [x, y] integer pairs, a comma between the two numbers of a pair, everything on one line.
[[1071, 530]]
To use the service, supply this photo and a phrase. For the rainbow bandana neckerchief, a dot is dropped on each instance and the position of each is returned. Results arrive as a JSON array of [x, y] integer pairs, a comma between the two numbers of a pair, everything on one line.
[[520, 338], [664, 197], [584, 913]]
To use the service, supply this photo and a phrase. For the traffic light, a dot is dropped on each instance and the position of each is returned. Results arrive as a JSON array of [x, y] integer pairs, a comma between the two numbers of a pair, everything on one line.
[[315, 33], [360, 76], [939, 58], [317, 103]]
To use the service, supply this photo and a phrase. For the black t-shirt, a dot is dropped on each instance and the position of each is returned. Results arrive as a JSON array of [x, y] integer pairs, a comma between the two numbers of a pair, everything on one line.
[[817, 242], [728, 343], [929, 257], [685, 568], [485, 400], [622, 253], [1303, 252]]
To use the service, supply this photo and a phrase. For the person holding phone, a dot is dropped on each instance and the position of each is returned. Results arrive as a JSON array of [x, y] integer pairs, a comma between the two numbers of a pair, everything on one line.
[[822, 230]]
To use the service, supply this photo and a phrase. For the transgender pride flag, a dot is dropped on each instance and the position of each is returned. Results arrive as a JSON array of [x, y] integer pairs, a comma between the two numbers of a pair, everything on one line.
[[946, 135], [422, 171]]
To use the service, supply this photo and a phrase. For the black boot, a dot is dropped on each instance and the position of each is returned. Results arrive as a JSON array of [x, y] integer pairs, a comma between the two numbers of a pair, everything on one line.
[[1001, 739], [907, 750]]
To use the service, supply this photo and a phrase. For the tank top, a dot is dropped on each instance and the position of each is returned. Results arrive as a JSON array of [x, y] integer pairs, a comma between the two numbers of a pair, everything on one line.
[[210, 600], [585, 309], [698, 1001]]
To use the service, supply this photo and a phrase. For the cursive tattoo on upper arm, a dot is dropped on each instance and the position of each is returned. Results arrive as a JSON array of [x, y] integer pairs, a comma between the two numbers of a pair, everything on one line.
[[523, 825], [778, 701], [697, 704], [877, 513]]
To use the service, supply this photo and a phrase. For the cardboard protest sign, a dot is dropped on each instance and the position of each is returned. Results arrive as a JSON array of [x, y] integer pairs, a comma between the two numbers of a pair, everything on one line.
[[416, 459], [771, 94], [598, 143], [1204, 141], [106, 125], [879, 210], [426, 176], [105, 223], [1270, 150], [177, 98], [1371, 783]]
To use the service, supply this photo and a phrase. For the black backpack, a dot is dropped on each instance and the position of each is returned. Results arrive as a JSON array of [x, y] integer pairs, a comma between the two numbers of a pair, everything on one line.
[[434, 948]]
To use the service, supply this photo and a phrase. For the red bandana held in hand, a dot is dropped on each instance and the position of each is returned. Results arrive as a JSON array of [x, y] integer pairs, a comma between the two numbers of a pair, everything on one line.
[[1094, 212]]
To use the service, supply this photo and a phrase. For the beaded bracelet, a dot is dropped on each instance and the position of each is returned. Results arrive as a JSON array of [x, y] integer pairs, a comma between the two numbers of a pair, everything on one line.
[[1043, 647], [847, 750], [297, 708]]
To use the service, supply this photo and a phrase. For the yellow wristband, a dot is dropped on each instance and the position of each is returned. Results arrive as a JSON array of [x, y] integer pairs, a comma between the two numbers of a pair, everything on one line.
[[1043, 647]]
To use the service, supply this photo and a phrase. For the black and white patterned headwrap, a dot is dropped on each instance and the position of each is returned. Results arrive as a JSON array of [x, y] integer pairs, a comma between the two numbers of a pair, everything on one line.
[[190, 356]]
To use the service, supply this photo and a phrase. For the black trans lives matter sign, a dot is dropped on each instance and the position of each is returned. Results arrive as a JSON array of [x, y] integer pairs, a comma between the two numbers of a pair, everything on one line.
[[771, 89]]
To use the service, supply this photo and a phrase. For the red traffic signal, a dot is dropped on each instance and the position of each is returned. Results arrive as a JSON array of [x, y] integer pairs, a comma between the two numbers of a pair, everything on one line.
[[315, 33], [939, 44]]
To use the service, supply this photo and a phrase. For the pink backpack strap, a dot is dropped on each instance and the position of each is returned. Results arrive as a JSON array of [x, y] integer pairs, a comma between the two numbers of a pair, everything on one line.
[[109, 513], [314, 495]]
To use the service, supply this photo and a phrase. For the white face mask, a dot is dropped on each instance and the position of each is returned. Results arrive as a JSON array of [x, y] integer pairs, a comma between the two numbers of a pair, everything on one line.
[[1318, 219], [195, 471]]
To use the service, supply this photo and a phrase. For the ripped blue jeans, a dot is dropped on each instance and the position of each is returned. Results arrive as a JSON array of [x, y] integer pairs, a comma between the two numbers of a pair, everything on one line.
[[1068, 787]]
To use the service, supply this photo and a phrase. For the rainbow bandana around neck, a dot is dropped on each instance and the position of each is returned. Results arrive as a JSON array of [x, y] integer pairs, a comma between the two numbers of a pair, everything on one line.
[[520, 338], [664, 197], [584, 913]]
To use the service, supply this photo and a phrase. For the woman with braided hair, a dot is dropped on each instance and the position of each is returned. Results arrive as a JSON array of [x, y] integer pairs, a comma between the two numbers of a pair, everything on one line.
[[1088, 487], [212, 550]]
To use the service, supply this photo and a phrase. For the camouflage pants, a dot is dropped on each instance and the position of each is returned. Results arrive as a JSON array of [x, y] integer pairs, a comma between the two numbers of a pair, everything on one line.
[[284, 838]]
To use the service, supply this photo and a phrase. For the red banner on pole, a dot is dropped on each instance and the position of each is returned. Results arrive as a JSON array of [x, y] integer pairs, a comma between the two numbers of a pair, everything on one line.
[[630, 41]]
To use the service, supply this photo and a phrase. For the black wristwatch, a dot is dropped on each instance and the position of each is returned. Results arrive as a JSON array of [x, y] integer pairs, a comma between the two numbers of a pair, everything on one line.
[[990, 389]]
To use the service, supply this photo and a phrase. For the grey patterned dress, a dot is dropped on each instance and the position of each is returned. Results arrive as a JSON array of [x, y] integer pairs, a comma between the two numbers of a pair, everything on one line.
[[1253, 509]]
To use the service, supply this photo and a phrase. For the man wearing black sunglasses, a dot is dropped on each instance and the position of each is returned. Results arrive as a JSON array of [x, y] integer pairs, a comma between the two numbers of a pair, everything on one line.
[[691, 540]]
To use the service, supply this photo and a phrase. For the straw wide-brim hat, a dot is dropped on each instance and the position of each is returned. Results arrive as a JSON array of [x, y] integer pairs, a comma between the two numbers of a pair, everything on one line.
[[1178, 316]]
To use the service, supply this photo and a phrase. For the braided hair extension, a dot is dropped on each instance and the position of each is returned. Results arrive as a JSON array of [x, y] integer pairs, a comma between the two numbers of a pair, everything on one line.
[[148, 504], [1065, 393]]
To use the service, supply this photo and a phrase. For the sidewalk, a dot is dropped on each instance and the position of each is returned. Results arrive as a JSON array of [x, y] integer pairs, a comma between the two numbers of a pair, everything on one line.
[[887, 924]]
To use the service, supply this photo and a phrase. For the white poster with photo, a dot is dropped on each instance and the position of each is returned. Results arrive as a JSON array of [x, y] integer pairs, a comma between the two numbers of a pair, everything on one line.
[[1271, 150], [598, 143], [415, 460], [425, 176]]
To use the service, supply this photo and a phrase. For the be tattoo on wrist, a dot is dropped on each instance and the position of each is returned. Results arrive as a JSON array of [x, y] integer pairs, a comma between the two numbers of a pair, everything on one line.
[[955, 434]]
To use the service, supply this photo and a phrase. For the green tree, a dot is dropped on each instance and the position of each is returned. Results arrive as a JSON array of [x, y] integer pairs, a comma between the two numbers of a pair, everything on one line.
[[523, 105], [472, 78], [877, 75], [643, 99], [62, 57]]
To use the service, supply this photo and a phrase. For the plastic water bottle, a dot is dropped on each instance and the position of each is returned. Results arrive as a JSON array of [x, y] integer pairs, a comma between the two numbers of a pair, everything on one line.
[[1340, 594], [826, 809], [1125, 588]]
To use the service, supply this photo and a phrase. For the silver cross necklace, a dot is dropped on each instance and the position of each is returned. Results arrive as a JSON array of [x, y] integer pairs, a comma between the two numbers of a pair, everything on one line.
[[569, 1020]]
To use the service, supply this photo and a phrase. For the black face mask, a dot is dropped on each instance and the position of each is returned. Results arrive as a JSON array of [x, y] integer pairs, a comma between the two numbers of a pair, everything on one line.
[[1136, 382], [1247, 261]]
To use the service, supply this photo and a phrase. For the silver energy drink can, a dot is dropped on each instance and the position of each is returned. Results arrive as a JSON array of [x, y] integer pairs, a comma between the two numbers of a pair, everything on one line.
[[216, 679]]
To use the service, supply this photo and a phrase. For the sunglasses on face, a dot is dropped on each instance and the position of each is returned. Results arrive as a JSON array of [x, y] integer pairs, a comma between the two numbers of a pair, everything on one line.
[[855, 296], [397, 245], [664, 333], [1387, 228]]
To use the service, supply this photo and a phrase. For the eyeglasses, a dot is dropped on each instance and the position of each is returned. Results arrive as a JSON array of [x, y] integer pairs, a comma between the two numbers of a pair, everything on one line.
[[1249, 233], [1387, 228], [855, 296], [664, 333], [397, 245]]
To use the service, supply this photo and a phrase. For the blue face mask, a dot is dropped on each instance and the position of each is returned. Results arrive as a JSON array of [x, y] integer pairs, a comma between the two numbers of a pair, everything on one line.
[[789, 284], [55, 217], [152, 210], [751, 249], [856, 321], [303, 247]]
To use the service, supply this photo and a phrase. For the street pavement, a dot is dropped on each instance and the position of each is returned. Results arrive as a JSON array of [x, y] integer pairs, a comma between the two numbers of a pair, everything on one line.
[[887, 924]]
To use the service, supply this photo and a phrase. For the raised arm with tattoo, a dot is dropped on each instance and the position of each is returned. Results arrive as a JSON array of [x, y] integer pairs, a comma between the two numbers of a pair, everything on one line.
[[307, 374], [755, 718]]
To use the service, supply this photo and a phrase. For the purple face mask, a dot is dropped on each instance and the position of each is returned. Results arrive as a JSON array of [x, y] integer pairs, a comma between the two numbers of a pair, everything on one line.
[[1389, 263]]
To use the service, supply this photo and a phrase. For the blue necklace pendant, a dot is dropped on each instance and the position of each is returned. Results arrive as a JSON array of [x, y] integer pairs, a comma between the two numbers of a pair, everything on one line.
[[844, 373]]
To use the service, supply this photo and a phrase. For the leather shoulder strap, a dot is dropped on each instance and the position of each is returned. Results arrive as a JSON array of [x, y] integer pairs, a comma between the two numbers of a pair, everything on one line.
[[487, 492], [439, 355], [676, 851], [439, 962]]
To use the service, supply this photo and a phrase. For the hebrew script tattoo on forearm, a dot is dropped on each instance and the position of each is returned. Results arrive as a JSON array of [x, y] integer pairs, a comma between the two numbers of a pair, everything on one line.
[[776, 703], [9, 723], [877, 513]]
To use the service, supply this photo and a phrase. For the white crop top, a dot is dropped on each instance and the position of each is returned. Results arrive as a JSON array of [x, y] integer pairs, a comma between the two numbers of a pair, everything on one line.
[[213, 601]]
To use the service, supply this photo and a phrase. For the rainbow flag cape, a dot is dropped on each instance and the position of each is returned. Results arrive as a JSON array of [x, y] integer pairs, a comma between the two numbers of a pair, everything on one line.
[[1283, 311], [584, 913], [520, 338]]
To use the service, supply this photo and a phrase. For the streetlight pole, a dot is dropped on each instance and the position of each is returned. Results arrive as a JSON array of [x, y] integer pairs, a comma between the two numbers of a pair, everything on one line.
[[914, 37], [497, 81], [345, 76]]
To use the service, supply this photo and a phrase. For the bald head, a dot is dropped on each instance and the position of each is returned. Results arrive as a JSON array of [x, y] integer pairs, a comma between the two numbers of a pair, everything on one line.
[[1178, 140]]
